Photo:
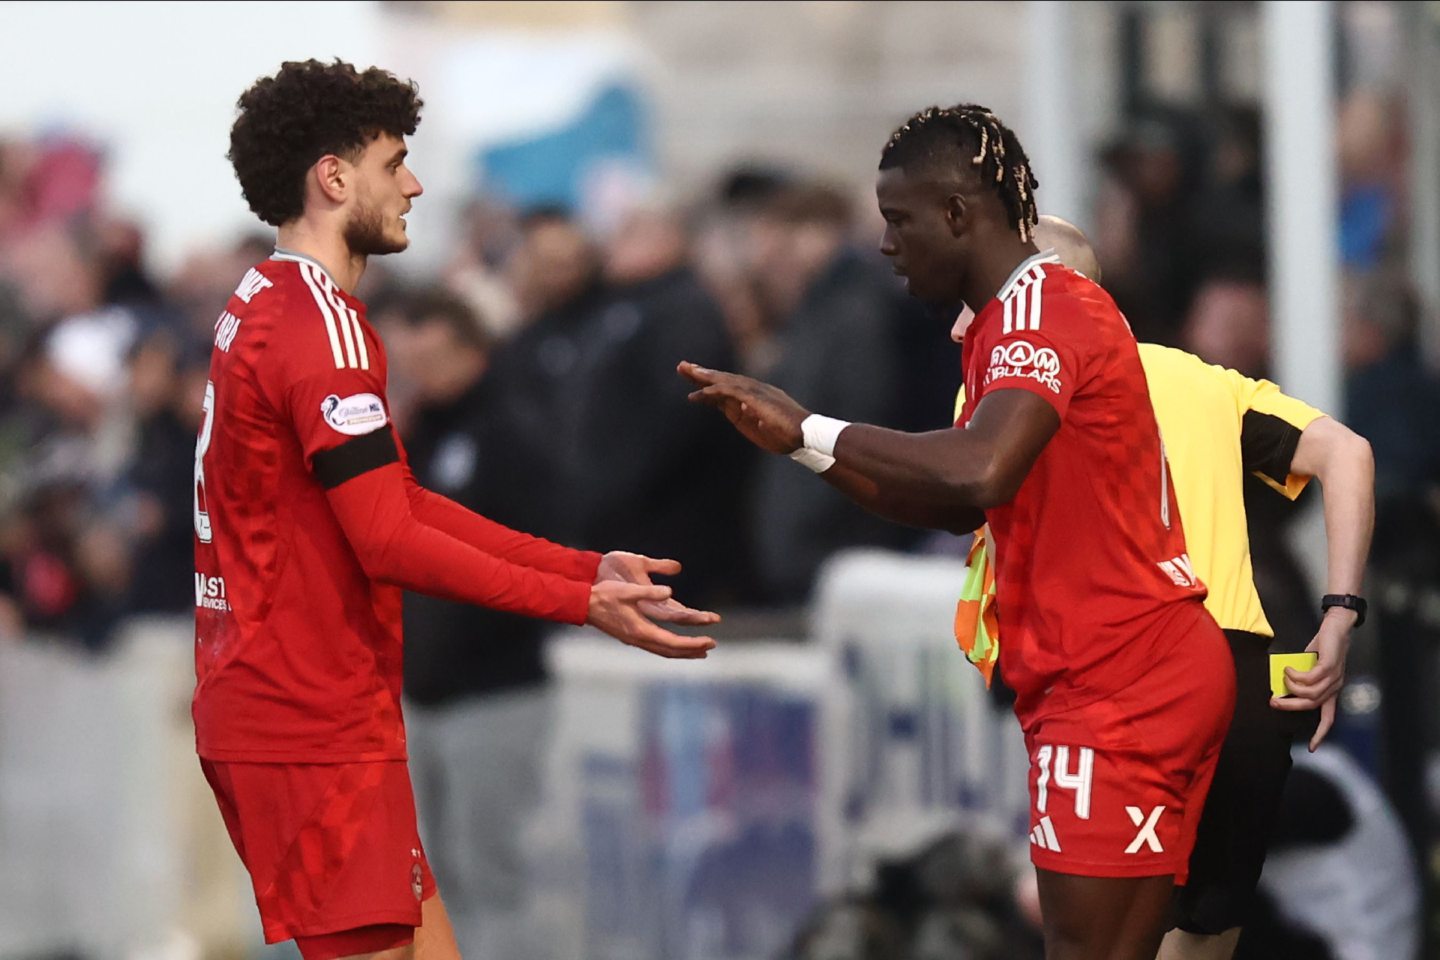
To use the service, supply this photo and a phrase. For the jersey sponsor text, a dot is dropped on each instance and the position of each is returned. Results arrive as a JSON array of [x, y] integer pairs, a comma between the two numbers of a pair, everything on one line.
[[210, 593], [1021, 358]]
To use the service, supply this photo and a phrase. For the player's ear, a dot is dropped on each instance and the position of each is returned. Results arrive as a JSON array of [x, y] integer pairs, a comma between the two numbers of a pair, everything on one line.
[[331, 177], [957, 214]]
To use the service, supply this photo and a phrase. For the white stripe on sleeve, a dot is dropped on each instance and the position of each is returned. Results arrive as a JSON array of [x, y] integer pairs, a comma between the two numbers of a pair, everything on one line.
[[307, 273]]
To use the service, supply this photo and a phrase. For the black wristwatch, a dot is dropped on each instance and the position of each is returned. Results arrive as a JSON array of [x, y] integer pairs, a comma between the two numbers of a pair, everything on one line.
[[1347, 600]]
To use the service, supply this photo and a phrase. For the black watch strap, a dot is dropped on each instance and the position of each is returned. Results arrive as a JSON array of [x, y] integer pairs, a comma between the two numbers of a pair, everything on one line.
[[1347, 600]]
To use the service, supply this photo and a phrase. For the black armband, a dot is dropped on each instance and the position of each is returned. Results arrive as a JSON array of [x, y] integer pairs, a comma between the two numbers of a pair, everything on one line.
[[367, 452]]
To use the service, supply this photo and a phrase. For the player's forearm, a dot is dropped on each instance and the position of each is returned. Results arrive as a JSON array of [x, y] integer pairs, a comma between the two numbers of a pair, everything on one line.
[[941, 473], [909, 512], [394, 547], [426, 560], [434, 510]]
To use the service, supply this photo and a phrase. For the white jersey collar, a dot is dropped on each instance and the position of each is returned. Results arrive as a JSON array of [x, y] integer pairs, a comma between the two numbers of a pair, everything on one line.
[[1044, 256], [293, 257]]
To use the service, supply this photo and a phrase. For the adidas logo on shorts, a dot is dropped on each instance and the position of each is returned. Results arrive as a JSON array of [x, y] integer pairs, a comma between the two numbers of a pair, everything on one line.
[[1043, 836]]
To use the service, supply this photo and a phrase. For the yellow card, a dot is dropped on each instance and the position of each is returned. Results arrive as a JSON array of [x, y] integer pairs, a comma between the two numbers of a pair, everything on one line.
[[1279, 661]]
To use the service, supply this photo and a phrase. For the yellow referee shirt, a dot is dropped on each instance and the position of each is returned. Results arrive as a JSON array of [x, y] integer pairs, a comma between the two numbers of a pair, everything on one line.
[[1217, 426]]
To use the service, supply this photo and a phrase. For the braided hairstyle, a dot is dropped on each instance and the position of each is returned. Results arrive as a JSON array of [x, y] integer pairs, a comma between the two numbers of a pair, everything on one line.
[[936, 135]]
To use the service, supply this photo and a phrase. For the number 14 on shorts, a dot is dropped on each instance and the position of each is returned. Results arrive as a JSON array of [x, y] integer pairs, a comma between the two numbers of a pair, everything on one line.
[[1071, 770]]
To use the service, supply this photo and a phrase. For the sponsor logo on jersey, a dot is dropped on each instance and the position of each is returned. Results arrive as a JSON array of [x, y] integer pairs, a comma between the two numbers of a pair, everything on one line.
[[210, 593], [1180, 570], [355, 415], [1021, 358]]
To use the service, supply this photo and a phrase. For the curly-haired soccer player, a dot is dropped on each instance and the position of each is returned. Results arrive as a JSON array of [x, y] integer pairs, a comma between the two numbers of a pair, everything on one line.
[[308, 524]]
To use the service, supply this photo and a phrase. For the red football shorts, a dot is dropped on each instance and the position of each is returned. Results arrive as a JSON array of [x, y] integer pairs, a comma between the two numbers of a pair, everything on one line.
[[329, 847], [1117, 786]]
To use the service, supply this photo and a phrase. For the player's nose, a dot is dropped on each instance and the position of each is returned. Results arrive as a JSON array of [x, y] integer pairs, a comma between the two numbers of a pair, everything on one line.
[[888, 246]]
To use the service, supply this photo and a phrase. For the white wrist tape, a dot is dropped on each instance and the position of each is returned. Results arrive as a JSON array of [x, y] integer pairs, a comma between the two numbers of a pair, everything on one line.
[[820, 434], [812, 459]]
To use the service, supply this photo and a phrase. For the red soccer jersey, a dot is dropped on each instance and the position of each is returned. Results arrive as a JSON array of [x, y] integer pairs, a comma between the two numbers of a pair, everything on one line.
[[298, 651], [1091, 574]]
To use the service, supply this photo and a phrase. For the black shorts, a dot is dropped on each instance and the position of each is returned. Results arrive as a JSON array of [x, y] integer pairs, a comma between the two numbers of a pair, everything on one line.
[[1240, 810]]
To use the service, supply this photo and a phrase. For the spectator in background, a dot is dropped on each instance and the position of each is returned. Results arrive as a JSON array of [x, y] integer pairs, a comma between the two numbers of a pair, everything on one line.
[[167, 390], [1390, 394], [1145, 229], [43, 183], [722, 265], [69, 437], [723, 258], [1230, 211], [835, 350], [477, 690], [659, 475], [1228, 322], [555, 275], [1372, 155], [600, 417], [122, 254], [489, 232], [555, 270], [86, 342]]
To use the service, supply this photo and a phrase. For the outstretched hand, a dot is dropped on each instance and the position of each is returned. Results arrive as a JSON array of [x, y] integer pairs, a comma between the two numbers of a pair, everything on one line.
[[764, 415], [625, 567], [1321, 684], [615, 609]]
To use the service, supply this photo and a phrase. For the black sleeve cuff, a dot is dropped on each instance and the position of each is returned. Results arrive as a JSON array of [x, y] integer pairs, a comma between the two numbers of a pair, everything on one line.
[[1267, 445], [353, 457]]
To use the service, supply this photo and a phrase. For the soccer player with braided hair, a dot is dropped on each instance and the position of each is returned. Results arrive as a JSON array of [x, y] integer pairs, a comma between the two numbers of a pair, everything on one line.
[[309, 523], [1124, 683]]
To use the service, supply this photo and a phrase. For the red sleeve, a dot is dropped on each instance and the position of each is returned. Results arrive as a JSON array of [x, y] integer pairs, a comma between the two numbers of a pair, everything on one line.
[[329, 380], [395, 547], [1034, 362], [495, 538], [330, 396], [1040, 346]]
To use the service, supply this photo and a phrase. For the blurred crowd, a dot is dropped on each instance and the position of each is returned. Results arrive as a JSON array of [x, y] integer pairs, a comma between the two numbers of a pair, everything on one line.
[[557, 344], [1180, 230], [552, 346], [533, 377]]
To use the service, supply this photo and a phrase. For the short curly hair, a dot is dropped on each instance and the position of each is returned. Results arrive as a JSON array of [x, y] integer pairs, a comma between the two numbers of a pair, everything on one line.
[[307, 110]]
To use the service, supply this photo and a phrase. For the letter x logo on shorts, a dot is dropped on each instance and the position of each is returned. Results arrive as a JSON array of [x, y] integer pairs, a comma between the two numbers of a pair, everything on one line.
[[1147, 831]]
